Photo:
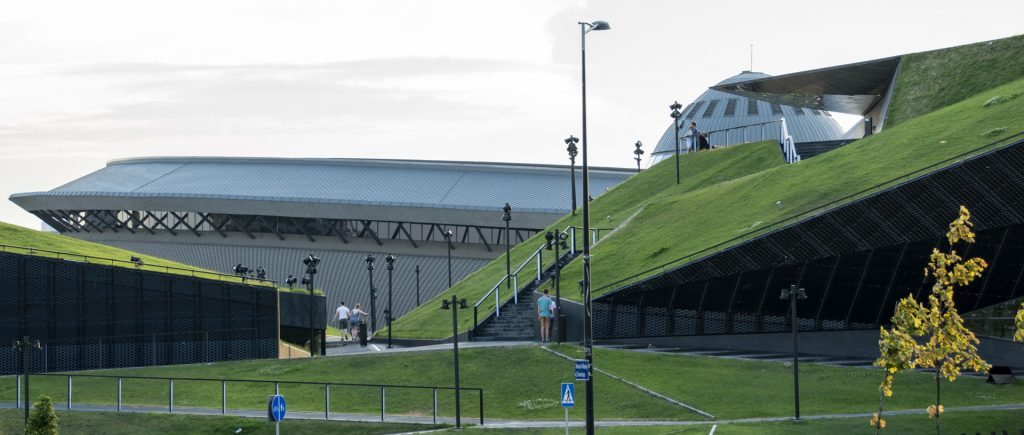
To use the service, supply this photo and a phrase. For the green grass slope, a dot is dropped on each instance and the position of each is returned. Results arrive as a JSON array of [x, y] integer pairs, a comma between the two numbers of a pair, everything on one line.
[[685, 223], [607, 211], [933, 79], [16, 236]]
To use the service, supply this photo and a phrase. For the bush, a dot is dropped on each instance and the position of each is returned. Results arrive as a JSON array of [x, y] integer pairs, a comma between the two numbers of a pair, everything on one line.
[[43, 420]]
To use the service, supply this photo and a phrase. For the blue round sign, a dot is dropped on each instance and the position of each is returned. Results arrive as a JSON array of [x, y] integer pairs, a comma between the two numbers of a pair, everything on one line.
[[277, 408]]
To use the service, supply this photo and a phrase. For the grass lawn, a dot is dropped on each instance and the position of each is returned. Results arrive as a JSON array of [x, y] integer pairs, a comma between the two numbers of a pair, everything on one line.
[[519, 383], [113, 423], [608, 211], [933, 79], [14, 235], [733, 388], [953, 422]]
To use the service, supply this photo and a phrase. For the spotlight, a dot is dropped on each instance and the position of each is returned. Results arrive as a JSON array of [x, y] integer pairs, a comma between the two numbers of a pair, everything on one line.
[[305, 281], [261, 274], [291, 280], [138, 261], [240, 270]]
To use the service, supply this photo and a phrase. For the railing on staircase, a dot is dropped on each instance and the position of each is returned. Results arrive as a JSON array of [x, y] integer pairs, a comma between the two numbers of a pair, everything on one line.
[[749, 133], [537, 259]]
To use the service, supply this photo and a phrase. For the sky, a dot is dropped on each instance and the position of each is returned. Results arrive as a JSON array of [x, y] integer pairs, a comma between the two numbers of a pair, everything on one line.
[[82, 83]]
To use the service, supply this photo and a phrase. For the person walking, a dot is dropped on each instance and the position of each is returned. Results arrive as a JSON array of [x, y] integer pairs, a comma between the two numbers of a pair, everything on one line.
[[545, 311], [355, 317], [342, 315], [693, 137]]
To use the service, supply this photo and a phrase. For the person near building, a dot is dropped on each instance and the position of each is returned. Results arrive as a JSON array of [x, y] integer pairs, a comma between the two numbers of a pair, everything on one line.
[[545, 311], [342, 315]]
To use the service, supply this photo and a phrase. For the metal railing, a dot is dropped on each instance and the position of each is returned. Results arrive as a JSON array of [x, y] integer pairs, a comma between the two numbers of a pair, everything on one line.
[[119, 399], [67, 256], [537, 258], [807, 214], [728, 137]]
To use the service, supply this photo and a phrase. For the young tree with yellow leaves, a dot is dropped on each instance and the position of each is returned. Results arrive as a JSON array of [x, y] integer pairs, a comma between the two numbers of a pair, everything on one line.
[[934, 336], [1019, 335]]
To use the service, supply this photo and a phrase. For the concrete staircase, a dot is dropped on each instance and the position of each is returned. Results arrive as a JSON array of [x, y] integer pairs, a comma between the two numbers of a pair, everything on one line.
[[518, 322]]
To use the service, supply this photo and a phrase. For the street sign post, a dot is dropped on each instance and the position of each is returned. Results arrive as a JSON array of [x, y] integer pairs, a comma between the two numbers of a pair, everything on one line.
[[568, 401], [276, 410], [582, 369]]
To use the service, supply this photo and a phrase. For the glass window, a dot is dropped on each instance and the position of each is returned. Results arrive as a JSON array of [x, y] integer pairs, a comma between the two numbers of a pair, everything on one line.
[[696, 107], [730, 107], [751, 107], [776, 109], [711, 109]]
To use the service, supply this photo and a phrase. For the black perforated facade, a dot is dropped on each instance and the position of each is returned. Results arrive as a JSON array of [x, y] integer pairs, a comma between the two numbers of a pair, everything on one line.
[[855, 261], [91, 316]]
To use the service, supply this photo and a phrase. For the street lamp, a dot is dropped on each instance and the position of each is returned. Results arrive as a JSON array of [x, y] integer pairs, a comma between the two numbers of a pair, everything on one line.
[[588, 333], [448, 241], [373, 293], [417, 285], [455, 305], [792, 293], [390, 259], [675, 122], [311, 261], [507, 217], [22, 346], [638, 152], [571, 149], [557, 239]]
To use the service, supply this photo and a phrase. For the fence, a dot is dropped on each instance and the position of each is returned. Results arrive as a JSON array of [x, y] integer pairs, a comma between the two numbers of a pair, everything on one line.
[[157, 394]]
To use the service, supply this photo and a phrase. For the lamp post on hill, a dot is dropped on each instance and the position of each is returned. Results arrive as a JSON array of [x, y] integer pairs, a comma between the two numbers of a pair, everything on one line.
[[557, 239], [507, 217], [417, 285], [390, 259], [792, 293], [23, 346], [571, 149], [638, 152], [588, 334], [676, 114], [455, 305], [311, 261], [448, 241]]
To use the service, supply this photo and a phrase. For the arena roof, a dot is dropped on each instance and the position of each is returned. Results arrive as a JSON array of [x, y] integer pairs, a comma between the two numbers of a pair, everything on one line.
[[353, 188]]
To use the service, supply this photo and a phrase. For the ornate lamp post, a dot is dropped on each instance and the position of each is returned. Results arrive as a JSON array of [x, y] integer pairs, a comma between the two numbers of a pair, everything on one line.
[[373, 293], [390, 259], [571, 149], [676, 114], [417, 285], [448, 241], [311, 261], [455, 305], [792, 293], [507, 217], [588, 334], [638, 152], [557, 239]]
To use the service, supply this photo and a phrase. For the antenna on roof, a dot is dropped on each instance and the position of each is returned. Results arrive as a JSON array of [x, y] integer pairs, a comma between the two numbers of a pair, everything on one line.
[[751, 57]]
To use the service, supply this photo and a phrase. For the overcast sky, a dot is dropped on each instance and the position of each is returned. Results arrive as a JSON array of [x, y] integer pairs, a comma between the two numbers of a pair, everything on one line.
[[85, 82]]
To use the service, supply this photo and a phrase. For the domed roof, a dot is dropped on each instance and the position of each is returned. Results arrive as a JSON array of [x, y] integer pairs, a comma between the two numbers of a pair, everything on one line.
[[716, 110]]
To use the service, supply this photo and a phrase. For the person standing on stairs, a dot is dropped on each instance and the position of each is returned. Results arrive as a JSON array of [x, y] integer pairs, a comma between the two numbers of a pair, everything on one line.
[[545, 311]]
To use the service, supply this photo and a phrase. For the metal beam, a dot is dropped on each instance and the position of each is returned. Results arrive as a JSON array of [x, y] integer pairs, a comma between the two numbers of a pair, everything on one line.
[[140, 223], [119, 221], [160, 221], [401, 228], [246, 226], [85, 218], [273, 227], [206, 217], [181, 220], [366, 228], [304, 232], [484, 239]]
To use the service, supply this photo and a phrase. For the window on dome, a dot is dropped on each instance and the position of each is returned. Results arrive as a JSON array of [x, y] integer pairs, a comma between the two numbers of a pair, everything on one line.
[[696, 107], [751, 107], [730, 107], [776, 109], [711, 109], [798, 111], [816, 112]]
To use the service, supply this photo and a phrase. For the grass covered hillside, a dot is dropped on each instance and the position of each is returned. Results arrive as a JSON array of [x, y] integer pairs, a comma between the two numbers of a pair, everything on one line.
[[607, 211], [933, 79], [671, 223], [13, 236]]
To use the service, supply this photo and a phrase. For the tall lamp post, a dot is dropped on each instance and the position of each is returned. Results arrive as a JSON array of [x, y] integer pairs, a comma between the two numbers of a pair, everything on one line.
[[557, 238], [792, 293], [311, 261], [507, 217], [675, 121], [23, 346], [588, 333], [455, 305], [373, 293], [448, 241], [417, 285], [638, 152], [571, 149], [390, 259]]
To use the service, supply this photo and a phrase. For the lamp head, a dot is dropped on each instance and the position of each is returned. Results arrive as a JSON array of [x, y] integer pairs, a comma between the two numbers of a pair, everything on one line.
[[507, 209], [675, 106], [463, 304], [448, 234], [445, 304], [548, 237], [390, 259], [600, 25]]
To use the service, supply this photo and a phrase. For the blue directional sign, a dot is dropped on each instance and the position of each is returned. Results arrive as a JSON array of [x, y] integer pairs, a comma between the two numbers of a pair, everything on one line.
[[276, 407], [568, 395], [582, 370]]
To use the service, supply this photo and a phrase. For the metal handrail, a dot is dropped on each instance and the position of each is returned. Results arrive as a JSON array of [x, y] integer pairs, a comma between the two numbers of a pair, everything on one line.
[[68, 256], [811, 212], [277, 384]]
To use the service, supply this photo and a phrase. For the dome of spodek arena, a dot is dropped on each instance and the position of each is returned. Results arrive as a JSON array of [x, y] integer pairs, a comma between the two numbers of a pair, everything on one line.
[[733, 119]]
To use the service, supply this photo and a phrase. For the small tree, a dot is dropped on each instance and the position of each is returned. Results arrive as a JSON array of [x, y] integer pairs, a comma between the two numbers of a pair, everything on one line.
[[934, 336], [43, 420], [1019, 335]]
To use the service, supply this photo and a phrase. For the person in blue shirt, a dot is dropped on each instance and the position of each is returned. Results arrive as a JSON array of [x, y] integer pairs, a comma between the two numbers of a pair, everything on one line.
[[545, 311]]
